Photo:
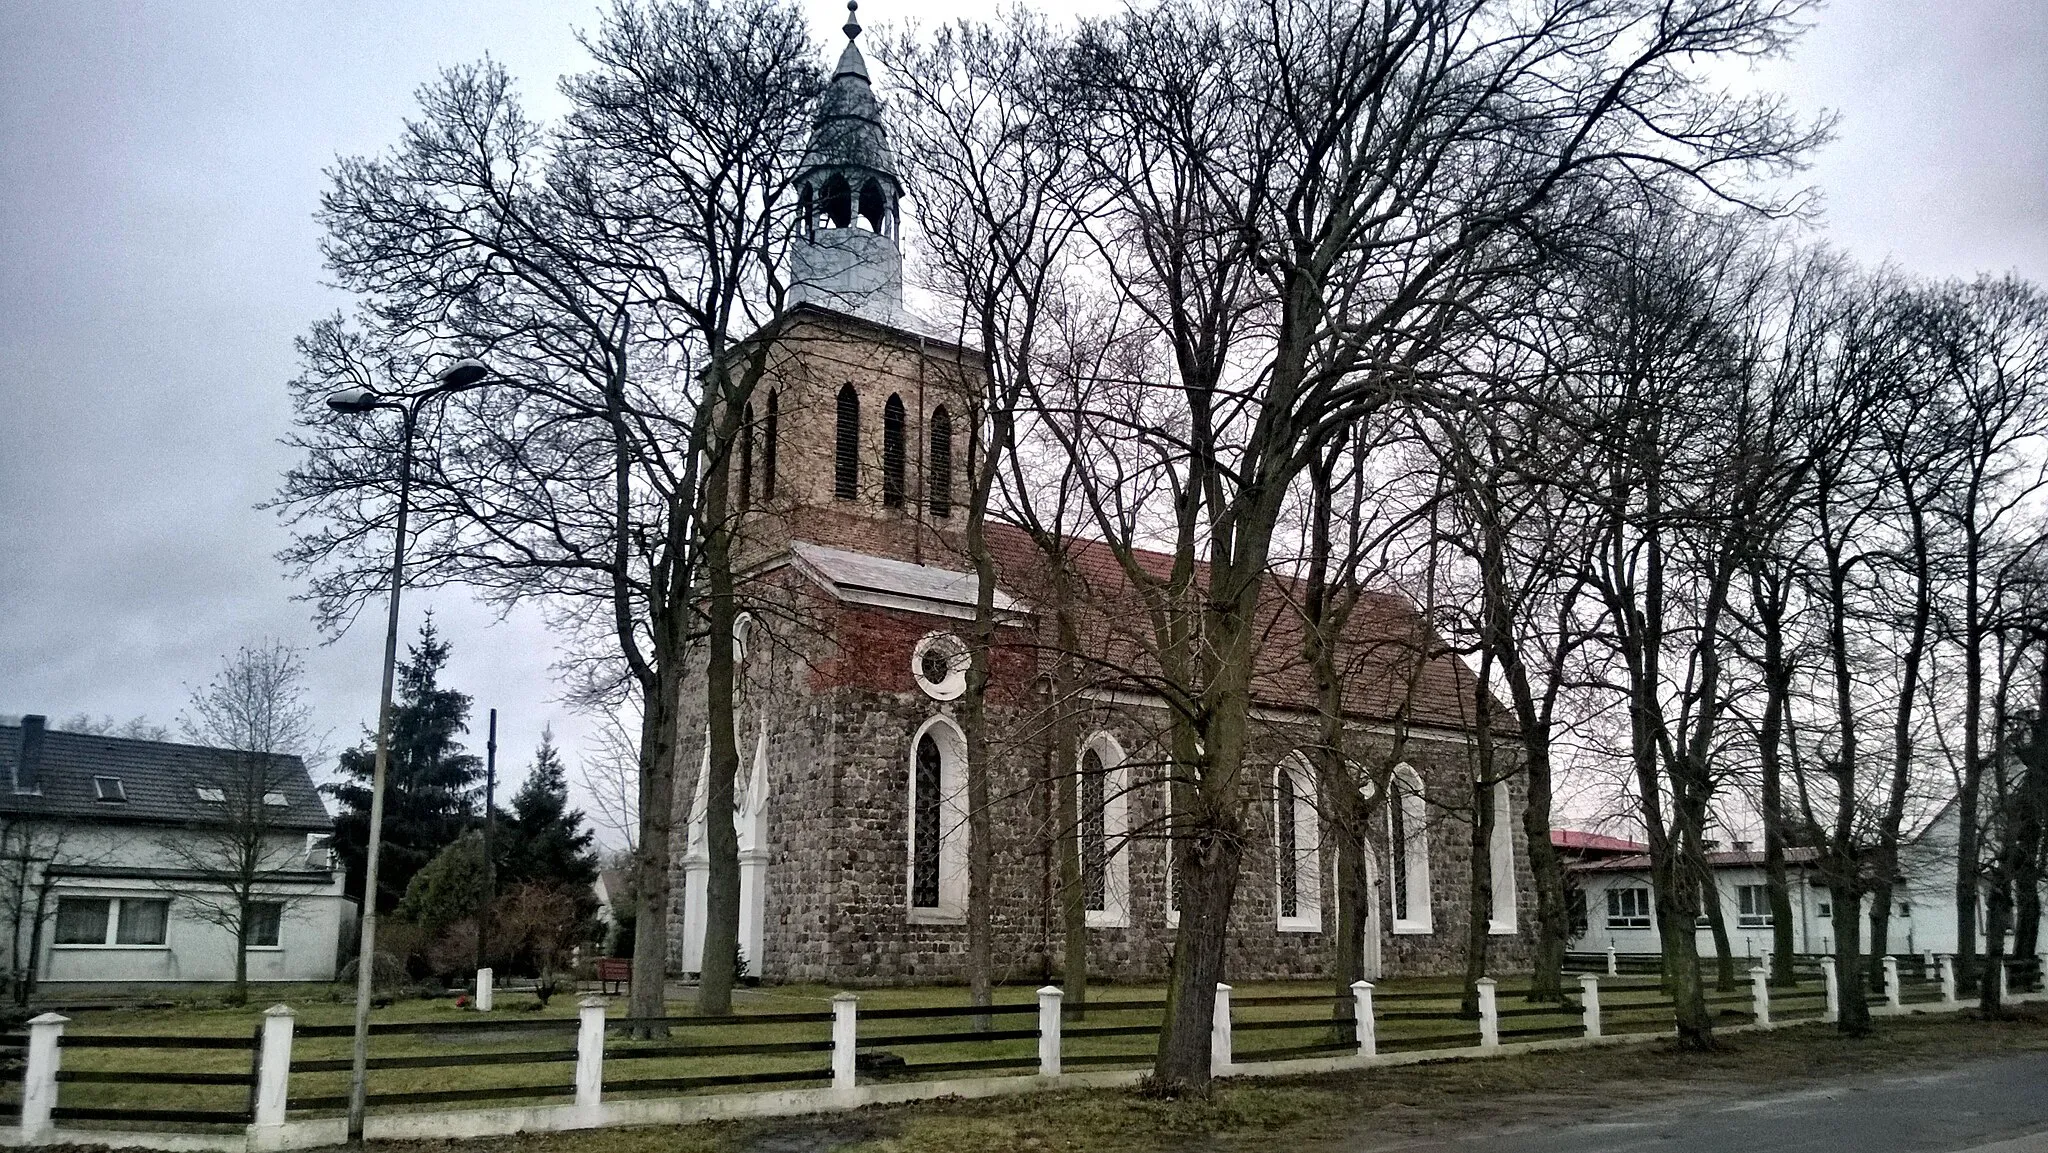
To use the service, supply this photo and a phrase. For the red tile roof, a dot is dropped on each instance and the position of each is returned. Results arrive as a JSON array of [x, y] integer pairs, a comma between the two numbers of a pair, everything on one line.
[[1573, 840], [1394, 664]]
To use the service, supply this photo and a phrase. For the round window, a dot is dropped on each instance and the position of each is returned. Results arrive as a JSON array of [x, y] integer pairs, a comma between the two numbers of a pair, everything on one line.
[[939, 664]]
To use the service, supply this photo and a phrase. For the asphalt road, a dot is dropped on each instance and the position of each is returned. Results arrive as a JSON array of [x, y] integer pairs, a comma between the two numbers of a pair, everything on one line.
[[1990, 1106]]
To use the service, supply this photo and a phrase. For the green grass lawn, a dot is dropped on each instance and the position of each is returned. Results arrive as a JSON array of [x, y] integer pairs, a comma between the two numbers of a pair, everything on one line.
[[521, 1052]]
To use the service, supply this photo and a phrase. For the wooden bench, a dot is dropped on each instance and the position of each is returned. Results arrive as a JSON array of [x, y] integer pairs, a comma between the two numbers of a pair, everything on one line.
[[614, 971]]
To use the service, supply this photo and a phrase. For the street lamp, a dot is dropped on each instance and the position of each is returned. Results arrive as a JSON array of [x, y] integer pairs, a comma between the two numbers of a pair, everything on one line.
[[462, 375]]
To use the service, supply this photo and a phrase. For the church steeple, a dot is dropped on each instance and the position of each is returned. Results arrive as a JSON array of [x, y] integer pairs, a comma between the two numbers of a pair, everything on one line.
[[846, 257]]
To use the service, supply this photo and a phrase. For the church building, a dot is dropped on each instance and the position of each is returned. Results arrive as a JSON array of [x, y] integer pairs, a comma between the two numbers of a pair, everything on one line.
[[851, 806]]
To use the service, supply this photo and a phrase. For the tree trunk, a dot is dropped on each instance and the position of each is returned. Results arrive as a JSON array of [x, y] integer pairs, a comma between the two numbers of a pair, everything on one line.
[[1478, 913], [239, 995], [974, 722], [1553, 930], [1855, 1018], [719, 969], [658, 720], [1067, 808], [1777, 698], [1997, 919], [1210, 856]]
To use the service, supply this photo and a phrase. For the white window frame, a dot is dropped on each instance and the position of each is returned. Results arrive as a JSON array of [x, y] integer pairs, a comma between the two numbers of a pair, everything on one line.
[[1167, 899], [1308, 849], [116, 903], [283, 908], [1407, 792], [1116, 827], [952, 906], [1760, 918], [1502, 920], [1642, 921]]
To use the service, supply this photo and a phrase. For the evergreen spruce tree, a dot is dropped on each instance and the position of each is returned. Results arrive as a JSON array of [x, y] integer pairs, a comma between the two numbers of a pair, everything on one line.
[[429, 793], [542, 839]]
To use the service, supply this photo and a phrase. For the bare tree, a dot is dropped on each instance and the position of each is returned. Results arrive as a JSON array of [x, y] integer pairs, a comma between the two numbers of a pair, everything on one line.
[[254, 719]]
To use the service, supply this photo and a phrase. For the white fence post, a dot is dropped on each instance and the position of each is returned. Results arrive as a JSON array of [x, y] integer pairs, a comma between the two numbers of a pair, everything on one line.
[[1489, 1015], [1613, 963], [1948, 980], [1219, 1032], [485, 980], [1589, 1002], [1760, 996], [1361, 1019], [39, 1081], [274, 1066], [1892, 996], [845, 1039], [1049, 1031], [590, 1053], [1833, 981]]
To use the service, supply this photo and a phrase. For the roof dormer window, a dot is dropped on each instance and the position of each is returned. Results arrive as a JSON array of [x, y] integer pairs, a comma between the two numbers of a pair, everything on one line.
[[276, 800], [211, 794], [109, 789]]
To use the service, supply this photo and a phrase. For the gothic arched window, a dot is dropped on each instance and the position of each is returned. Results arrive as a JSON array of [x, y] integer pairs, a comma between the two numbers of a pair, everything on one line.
[[838, 202], [1103, 832], [872, 204], [1297, 847], [893, 452], [1408, 852], [746, 455], [846, 445], [938, 835], [940, 477], [804, 209], [924, 865], [1501, 862], [768, 447]]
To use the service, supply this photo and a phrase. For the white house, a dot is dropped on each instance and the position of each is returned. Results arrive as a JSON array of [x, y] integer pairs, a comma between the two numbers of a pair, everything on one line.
[[1612, 904], [114, 862]]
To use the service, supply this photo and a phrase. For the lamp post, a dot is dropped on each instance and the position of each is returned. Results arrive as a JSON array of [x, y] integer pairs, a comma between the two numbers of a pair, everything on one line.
[[462, 375]]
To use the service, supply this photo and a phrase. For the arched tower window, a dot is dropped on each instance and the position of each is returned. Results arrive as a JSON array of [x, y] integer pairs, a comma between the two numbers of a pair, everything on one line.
[[893, 452], [940, 476], [837, 202], [805, 208], [746, 455], [768, 447], [846, 445], [872, 205], [1297, 848], [1408, 852]]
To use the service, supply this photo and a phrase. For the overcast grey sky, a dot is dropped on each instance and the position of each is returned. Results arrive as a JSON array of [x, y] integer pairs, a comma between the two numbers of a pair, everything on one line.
[[160, 163]]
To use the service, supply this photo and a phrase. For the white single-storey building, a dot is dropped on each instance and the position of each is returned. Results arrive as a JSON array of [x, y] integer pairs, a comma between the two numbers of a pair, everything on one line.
[[1612, 904], [123, 861]]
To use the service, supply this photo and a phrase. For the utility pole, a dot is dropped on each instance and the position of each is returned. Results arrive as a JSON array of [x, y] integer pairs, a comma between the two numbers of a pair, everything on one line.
[[483, 916]]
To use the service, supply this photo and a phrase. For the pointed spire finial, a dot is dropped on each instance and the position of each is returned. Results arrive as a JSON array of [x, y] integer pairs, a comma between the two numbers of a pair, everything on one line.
[[852, 25]]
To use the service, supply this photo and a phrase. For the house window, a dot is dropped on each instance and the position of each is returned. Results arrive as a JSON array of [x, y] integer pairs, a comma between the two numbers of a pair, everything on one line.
[[940, 478], [1628, 908], [1501, 861], [109, 789], [1408, 847], [1104, 824], [1752, 907], [212, 794], [1297, 850], [892, 452], [266, 918], [846, 445], [938, 841], [112, 920]]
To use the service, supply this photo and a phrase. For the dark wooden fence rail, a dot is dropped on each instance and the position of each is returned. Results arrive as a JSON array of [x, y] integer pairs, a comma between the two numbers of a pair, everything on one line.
[[118, 1111]]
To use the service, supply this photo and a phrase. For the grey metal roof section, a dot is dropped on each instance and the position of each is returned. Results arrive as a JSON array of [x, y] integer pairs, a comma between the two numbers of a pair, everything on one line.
[[160, 779], [875, 580]]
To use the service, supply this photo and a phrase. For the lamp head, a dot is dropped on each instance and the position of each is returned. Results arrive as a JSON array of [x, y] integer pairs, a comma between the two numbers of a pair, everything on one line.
[[464, 373], [353, 400]]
